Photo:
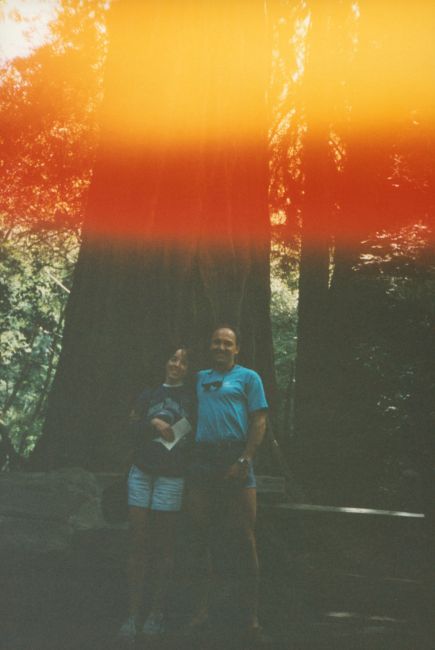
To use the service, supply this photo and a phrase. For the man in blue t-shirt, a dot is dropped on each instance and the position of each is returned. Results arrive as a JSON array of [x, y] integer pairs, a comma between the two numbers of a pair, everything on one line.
[[231, 424]]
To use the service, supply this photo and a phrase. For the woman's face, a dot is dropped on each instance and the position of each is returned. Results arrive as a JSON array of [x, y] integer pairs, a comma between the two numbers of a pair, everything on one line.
[[176, 367]]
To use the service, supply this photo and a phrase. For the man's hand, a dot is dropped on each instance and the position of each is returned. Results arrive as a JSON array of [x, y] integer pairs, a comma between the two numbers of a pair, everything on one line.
[[163, 429], [237, 471]]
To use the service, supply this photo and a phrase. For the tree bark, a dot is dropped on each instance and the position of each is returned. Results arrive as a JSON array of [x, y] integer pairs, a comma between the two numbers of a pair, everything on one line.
[[317, 169], [193, 248], [311, 361]]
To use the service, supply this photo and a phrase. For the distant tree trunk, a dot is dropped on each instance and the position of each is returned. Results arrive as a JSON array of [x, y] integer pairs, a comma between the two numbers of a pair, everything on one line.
[[288, 417], [340, 319], [8, 456], [311, 361], [45, 388], [317, 168], [136, 296]]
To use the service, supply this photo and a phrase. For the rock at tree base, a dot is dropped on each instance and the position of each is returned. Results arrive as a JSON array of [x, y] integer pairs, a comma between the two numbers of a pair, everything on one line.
[[40, 512]]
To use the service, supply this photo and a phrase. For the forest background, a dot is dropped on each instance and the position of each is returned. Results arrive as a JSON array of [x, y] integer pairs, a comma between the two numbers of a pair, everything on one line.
[[351, 243]]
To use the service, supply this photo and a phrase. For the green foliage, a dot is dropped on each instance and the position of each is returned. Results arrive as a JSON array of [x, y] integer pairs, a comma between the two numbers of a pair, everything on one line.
[[284, 321], [35, 276]]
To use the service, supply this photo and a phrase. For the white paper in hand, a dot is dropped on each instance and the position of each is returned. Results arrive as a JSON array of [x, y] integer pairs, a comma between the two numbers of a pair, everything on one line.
[[180, 429]]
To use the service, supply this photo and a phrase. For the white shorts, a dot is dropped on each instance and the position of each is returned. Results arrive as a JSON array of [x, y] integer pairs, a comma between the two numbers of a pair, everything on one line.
[[154, 492]]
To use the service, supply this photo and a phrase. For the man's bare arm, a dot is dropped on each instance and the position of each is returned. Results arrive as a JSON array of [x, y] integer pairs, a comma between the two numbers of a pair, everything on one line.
[[256, 431]]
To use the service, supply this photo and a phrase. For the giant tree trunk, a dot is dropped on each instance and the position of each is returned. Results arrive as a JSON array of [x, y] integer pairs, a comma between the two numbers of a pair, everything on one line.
[[177, 229]]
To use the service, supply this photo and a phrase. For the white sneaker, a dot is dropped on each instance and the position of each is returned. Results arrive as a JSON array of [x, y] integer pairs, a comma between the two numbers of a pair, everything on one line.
[[153, 625], [127, 631]]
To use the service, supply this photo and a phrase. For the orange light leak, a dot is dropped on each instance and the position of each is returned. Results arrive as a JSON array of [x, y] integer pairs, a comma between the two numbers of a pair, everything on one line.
[[183, 151], [389, 74], [183, 121], [180, 71]]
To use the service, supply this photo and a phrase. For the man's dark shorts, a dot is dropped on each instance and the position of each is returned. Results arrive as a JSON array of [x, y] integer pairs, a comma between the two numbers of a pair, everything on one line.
[[210, 463]]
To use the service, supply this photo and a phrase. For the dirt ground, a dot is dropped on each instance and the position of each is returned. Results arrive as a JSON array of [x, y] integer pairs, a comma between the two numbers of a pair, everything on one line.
[[315, 595]]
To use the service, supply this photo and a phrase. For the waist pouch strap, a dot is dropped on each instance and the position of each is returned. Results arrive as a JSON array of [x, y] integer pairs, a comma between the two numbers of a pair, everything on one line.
[[219, 454]]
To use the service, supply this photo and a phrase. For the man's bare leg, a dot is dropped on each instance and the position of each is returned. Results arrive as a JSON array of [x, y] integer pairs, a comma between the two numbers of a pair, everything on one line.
[[243, 511], [198, 509]]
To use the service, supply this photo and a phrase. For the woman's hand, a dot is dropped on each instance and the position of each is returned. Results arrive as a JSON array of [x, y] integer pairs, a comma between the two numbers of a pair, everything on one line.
[[163, 429]]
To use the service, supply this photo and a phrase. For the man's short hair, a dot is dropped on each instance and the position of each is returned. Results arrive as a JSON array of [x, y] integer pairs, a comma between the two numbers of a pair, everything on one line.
[[227, 326]]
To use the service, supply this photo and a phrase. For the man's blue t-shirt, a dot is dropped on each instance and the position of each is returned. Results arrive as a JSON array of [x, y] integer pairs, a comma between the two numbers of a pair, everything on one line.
[[225, 400]]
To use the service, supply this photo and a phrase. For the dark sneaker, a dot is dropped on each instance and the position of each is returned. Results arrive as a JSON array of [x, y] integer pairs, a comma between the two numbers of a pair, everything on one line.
[[255, 636], [153, 625], [127, 632]]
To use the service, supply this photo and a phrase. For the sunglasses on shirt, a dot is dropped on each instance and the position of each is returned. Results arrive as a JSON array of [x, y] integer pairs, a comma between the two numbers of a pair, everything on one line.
[[211, 386]]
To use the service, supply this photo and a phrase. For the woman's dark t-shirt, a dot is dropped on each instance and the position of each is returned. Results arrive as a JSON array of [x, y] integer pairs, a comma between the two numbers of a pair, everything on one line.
[[169, 403]]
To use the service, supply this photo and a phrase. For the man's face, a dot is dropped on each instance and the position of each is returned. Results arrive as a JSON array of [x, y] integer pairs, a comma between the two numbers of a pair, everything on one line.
[[223, 348]]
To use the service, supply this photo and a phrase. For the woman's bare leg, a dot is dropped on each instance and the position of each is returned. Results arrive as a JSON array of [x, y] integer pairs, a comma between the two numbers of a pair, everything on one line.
[[137, 557], [163, 543]]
